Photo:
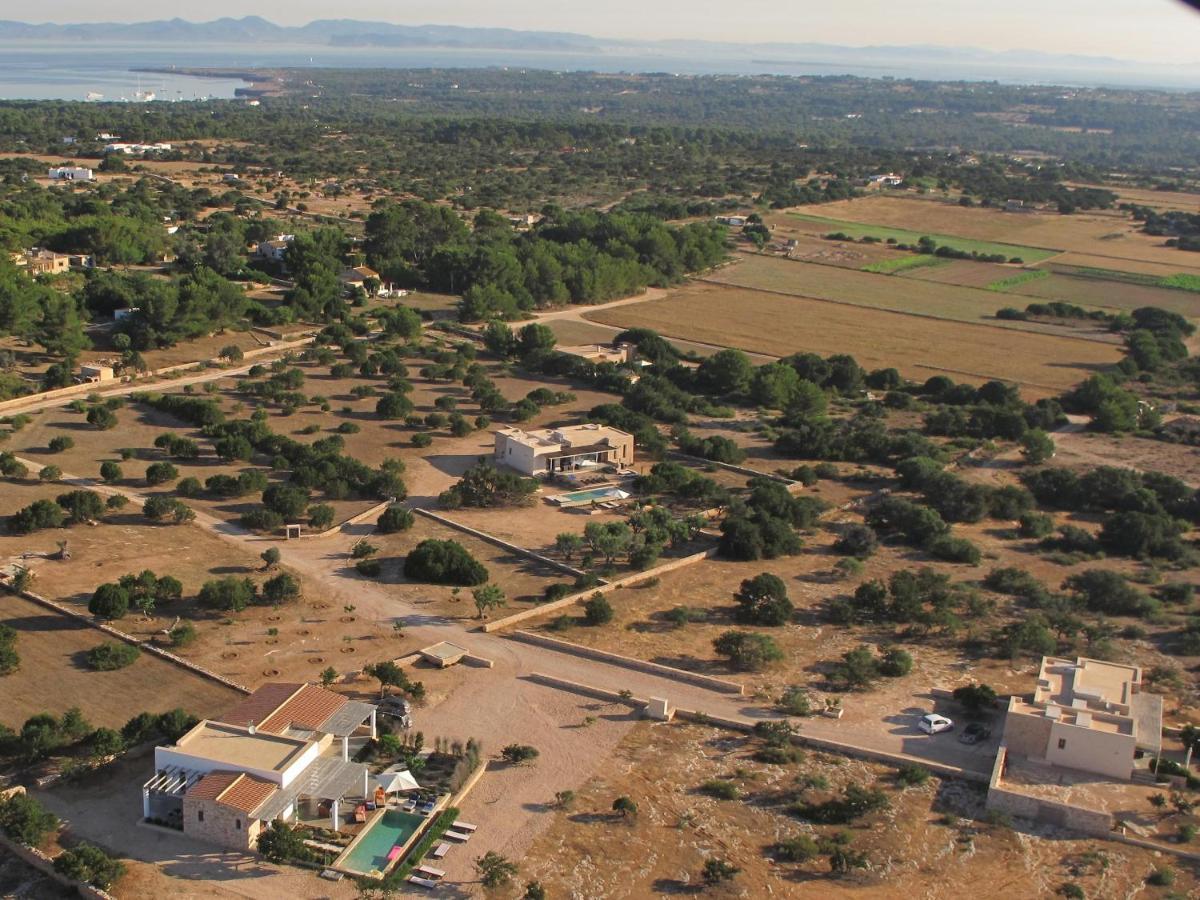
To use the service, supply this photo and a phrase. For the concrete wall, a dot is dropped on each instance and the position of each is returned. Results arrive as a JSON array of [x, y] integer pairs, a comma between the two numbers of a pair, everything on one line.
[[45, 865], [221, 825], [498, 542], [1090, 750], [584, 596], [628, 662], [1026, 735], [1038, 809]]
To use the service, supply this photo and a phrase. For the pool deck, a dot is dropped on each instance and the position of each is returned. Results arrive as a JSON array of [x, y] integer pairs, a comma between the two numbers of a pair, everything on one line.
[[340, 865]]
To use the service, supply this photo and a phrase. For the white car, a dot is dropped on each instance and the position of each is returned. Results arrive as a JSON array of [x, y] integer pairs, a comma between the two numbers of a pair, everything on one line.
[[932, 723]]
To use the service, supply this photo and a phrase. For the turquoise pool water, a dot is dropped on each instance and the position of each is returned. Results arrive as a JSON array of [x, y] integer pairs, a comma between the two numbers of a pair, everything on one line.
[[602, 493], [392, 828]]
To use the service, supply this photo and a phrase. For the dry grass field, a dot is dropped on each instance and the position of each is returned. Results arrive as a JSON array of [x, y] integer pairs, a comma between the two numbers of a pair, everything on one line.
[[930, 843], [1104, 234], [1165, 200], [54, 677], [898, 294], [919, 347], [964, 273], [1103, 293]]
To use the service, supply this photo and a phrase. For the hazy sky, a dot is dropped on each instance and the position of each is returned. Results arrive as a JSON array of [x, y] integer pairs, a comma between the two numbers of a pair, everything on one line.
[[1155, 30]]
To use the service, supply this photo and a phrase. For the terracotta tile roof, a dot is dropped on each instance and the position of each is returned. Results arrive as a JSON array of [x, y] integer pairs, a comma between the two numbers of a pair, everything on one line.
[[246, 793], [307, 709], [260, 705], [212, 785]]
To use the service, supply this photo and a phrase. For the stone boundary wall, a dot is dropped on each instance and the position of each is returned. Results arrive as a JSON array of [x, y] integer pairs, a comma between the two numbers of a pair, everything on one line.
[[498, 542], [130, 639], [468, 785], [353, 520], [746, 726], [730, 467], [582, 596], [18, 403], [44, 864], [1094, 822], [628, 662]]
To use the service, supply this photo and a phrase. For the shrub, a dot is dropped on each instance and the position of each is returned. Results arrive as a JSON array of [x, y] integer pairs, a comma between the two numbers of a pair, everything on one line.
[[50, 473], [281, 589], [189, 487], [161, 473], [799, 849], [895, 663], [422, 439], [953, 549], [112, 655], [855, 802], [911, 775], [228, 594], [81, 506], [857, 540], [182, 634], [368, 568], [748, 651], [280, 843], [519, 753], [597, 610], [720, 789], [393, 519], [975, 698], [25, 820], [795, 701], [90, 865], [39, 514], [60, 443], [444, 562], [109, 601], [763, 600]]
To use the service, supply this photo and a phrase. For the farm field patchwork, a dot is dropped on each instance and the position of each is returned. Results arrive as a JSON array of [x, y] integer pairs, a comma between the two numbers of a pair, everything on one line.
[[919, 347], [1109, 236], [906, 236], [1108, 293], [902, 295]]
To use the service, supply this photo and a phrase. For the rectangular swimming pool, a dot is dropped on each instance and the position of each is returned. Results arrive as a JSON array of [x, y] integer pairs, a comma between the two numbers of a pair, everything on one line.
[[588, 496], [393, 828]]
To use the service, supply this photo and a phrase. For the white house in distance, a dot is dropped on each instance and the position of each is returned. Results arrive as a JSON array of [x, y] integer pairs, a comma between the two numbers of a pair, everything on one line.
[[282, 753], [71, 173], [138, 149], [602, 353], [1087, 715], [550, 450], [276, 248]]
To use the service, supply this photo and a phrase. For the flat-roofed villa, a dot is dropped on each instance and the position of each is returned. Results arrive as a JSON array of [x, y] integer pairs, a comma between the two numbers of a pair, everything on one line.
[[1088, 715], [282, 753], [550, 450]]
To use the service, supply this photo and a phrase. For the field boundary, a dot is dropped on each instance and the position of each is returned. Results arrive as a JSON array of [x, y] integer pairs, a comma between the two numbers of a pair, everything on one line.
[[152, 648], [129, 384], [718, 685], [498, 542], [45, 864], [576, 599], [731, 467], [971, 323]]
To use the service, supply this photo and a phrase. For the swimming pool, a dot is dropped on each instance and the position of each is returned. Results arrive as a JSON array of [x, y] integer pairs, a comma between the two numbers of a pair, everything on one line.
[[370, 851], [591, 495]]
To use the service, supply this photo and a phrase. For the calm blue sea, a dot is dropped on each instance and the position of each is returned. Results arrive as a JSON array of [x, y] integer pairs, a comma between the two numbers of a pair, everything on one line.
[[70, 71]]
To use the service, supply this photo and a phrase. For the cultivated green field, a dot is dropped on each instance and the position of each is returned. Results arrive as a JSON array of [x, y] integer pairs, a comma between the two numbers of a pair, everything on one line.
[[904, 264], [904, 236]]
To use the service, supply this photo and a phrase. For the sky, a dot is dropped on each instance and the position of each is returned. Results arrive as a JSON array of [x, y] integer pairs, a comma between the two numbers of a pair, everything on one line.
[[1164, 31]]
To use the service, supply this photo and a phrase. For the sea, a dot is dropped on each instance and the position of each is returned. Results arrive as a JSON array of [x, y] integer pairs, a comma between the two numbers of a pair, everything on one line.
[[36, 70]]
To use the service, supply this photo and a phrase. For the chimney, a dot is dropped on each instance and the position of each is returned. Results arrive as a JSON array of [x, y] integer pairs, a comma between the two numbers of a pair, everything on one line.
[[250, 728]]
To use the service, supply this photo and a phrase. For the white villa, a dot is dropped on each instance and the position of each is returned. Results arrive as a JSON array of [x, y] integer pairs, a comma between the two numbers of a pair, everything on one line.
[[550, 450], [282, 753]]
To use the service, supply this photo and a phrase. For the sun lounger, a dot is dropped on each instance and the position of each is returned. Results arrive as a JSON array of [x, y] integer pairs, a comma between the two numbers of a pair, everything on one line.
[[440, 851], [465, 826], [423, 882], [332, 875], [394, 853], [431, 871], [457, 836]]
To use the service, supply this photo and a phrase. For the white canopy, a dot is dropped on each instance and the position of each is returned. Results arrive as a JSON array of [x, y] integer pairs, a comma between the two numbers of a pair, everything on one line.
[[394, 781]]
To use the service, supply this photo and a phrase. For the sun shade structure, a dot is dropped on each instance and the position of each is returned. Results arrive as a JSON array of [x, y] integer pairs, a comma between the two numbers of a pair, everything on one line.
[[395, 781]]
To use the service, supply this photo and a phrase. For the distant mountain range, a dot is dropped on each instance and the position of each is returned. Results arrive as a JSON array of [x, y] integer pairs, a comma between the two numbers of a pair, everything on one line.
[[591, 52], [323, 32]]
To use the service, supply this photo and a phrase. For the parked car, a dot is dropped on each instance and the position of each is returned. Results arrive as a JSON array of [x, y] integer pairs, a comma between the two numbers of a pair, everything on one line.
[[974, 733], [932, 723]]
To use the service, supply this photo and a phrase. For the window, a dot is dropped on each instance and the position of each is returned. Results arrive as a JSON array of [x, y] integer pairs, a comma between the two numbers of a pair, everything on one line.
[[200, 814], [1062, 743], [237, 823]]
